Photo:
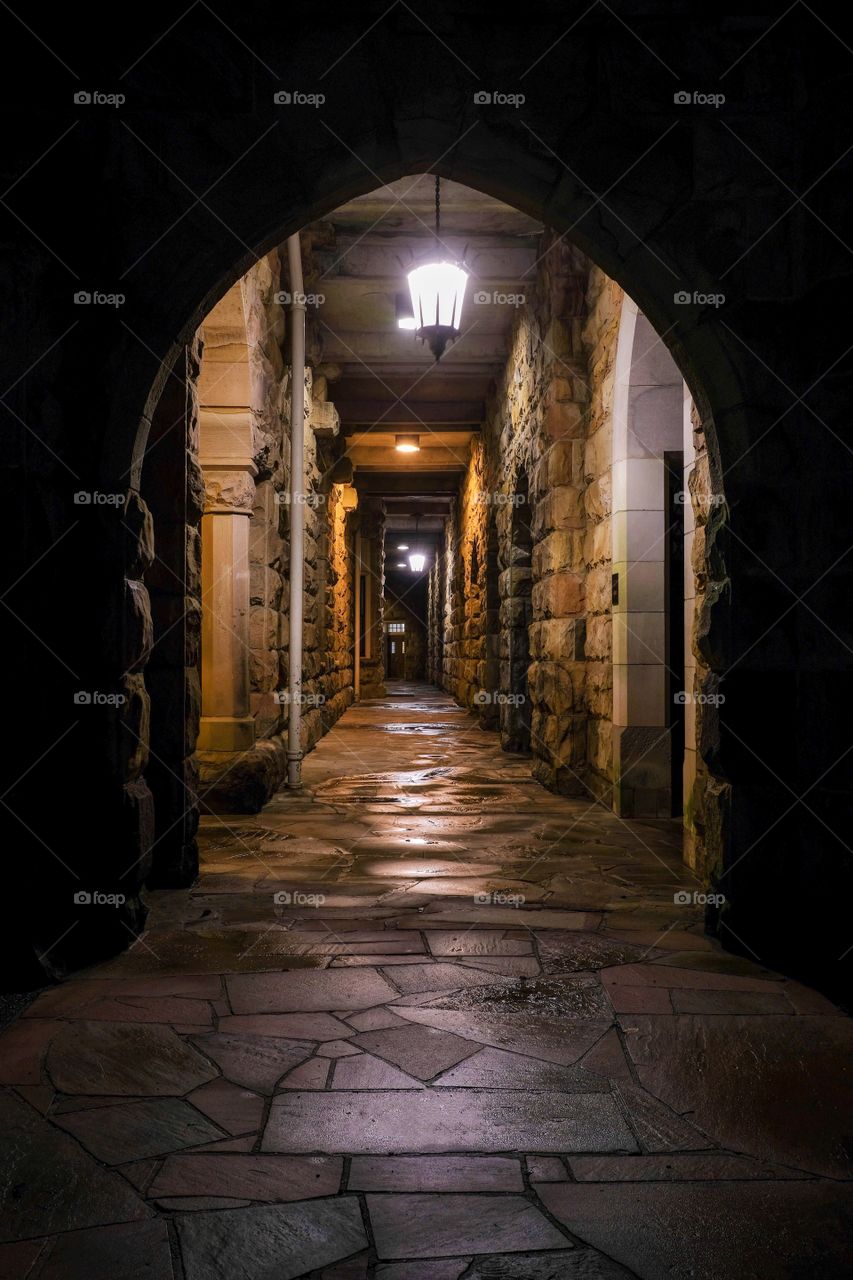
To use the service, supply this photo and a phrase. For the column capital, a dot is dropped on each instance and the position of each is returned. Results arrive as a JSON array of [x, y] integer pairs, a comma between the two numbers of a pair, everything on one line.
[[229, 490]]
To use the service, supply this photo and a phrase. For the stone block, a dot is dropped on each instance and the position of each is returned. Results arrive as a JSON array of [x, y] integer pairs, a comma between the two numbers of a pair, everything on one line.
[[558, 596]]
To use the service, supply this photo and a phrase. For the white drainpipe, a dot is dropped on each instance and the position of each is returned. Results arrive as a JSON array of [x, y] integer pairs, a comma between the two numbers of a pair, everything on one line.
[[297, 511]]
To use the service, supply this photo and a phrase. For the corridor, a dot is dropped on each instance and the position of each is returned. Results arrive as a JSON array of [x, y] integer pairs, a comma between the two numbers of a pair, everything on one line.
[[425, 1020]]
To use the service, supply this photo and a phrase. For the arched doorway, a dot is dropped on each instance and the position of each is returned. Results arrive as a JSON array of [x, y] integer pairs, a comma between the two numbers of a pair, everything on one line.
[[284, 170]]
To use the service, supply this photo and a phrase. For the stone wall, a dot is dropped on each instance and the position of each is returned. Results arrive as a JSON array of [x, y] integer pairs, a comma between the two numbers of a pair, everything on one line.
[[244, 782], [525, 571]]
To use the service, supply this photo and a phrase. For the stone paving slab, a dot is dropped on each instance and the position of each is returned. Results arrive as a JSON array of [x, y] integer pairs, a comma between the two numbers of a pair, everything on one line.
[[436, 1174], [497, 1069], [563, 1042], [127, 1251], [135, 1130], [412, 1226], [779, 1089], [267, 1178], [50, 1184], [451, 1120], [127, 1058], [421, 1051], [713, 1230], [328, 990], [256, 1062], [266, 1241]]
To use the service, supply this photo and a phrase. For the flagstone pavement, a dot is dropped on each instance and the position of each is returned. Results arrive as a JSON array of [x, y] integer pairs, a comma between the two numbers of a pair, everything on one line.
[[427, 1021]]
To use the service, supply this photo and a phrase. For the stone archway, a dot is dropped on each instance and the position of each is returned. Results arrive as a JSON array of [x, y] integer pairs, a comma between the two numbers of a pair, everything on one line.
[[631, 207]]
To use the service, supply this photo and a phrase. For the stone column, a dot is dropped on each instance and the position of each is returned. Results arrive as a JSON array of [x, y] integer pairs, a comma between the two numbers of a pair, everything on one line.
[[227, 724], [372, 569]]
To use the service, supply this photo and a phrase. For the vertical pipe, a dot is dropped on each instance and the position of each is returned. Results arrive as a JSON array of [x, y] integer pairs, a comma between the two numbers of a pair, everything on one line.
[[357, 625], [297, 512]]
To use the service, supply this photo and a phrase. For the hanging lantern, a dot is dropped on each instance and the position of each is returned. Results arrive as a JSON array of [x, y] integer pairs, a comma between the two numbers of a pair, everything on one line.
[[417, 559], [438, 291]]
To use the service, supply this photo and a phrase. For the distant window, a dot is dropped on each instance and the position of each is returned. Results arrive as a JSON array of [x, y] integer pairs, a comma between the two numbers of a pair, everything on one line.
[[396, 628]]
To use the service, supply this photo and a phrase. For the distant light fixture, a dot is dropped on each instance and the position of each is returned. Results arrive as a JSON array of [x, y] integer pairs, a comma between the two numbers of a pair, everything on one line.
[[408, 444], [401, 564], [438, 291], [417, 560], [402, 546], [405, 315]]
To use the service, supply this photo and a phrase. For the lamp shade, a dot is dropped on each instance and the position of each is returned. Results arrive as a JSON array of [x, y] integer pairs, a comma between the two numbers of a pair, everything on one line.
[[438, 291], [417, 560]]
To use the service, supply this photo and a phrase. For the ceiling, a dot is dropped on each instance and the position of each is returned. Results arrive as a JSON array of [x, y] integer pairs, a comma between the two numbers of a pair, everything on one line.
[[388, 380]]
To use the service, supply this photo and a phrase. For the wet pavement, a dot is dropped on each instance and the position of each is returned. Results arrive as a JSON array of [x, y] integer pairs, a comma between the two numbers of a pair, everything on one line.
[[426, 1021]]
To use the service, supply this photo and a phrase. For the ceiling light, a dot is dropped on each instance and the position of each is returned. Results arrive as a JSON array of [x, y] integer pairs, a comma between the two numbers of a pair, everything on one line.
[[402, 546], [438, 291], [408, 444], [401, 564]]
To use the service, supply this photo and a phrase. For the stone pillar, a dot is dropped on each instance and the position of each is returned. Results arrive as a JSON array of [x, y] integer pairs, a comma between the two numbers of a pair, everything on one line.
[[227, 724], [172, 676]]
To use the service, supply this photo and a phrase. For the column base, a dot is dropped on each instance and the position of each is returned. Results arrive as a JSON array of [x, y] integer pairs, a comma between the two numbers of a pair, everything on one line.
[[226, 733]]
